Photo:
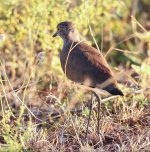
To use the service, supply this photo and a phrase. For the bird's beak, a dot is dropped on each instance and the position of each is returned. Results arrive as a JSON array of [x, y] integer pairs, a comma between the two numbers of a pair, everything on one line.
[[56, 34]]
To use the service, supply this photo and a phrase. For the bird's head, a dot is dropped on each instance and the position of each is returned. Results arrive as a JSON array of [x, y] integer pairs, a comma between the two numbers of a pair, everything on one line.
[[66, 30]]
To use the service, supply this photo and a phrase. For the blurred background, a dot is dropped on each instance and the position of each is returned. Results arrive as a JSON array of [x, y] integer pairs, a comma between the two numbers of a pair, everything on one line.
[[120, 28], [30, 70], [29, 55]]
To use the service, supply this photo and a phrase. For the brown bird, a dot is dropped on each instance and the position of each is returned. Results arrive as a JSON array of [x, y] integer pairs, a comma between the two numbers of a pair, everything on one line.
[[84, 64]]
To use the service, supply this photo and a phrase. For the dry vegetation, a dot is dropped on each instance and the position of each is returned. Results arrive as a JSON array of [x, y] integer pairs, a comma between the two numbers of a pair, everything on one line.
[[41, 110]]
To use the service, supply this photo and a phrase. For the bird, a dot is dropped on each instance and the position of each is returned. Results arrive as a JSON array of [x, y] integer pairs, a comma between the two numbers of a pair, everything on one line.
[[84, 64]]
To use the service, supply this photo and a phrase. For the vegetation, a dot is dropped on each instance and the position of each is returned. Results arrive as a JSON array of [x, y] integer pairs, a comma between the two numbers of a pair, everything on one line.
[[41, 110]]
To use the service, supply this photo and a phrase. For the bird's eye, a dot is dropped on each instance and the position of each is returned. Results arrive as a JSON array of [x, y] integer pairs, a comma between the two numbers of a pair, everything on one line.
[[58, 28]]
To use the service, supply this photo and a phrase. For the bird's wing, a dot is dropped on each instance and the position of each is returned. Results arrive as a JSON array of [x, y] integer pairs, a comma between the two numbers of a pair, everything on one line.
[[92, 58], [83, 63], [92, 61]]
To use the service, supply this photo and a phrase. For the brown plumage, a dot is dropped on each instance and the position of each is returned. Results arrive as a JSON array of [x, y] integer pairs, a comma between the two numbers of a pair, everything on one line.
[[82, 63]]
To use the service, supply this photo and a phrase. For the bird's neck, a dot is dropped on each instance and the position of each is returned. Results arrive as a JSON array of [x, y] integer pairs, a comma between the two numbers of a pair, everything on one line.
[[72, 37]]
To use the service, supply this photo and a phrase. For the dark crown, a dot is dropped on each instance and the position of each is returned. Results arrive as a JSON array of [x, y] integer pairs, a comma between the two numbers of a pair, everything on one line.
[[67, 24]]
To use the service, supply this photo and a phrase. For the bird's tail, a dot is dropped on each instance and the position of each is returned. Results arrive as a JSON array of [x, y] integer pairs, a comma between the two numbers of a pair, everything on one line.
[[115, 91]]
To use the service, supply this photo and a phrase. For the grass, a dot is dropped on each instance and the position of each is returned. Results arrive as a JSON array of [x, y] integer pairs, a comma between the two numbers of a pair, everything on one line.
[[45, 125], [41, 110]]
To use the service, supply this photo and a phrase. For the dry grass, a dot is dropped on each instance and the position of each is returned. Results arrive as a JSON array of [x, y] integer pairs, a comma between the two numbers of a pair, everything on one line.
[[45, 125], [41, 110]]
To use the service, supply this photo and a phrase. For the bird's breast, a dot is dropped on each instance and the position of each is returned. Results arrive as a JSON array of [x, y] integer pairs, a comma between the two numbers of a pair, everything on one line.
[[70, 67]]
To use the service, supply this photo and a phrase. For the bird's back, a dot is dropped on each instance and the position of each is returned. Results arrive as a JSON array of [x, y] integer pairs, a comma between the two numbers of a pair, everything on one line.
[[82, 63]]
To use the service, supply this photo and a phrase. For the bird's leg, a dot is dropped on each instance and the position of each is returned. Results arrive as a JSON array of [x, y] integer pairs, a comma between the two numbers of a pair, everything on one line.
[[91, 105], [99, 110]]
